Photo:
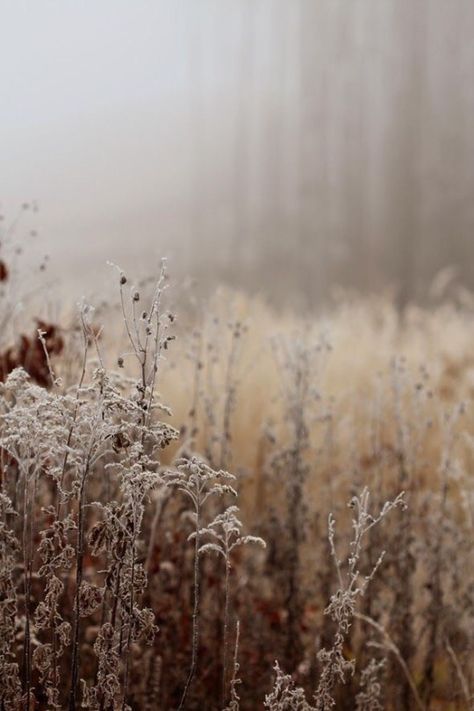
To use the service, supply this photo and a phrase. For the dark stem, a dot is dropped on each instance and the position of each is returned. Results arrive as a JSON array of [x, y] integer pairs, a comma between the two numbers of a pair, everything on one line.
[[79, 575], [27, 567], [130, 623], [195, 634], [226, 631]]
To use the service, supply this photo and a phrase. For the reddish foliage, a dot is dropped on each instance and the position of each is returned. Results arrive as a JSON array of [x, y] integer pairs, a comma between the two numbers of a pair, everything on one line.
[[3, 271], [29, 354]]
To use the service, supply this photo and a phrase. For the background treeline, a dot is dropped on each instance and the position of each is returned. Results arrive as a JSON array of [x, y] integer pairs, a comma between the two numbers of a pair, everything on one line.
[[287, 145], [344, 148]]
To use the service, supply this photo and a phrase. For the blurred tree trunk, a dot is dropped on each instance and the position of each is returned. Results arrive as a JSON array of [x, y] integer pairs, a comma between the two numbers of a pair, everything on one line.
[[198, 184], [311, 249], [353, 206], [240, 238], [404, 145]]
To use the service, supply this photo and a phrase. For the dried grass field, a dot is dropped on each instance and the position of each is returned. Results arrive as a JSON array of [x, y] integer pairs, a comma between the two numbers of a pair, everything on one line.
[[222, 506]]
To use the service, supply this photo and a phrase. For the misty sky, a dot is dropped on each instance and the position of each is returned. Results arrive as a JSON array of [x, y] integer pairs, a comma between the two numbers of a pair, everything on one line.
[[95, 117], [291, 142]]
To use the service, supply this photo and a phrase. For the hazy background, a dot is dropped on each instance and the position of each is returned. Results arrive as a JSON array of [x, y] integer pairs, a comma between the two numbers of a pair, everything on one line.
[[285, 145]]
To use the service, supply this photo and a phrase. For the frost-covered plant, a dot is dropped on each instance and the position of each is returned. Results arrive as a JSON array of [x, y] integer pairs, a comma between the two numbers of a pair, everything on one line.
[[388, 645], [285, 695], [96, 440], [63, 448], [234, 701], [409, 424], [225, 532], [298, 359], [10, 684], [137, 439], [335, 667], [440, 548], [230, 392], [369, 697], [34, 426], [56, 555], [217, 346], [352, 584], [198, 482]]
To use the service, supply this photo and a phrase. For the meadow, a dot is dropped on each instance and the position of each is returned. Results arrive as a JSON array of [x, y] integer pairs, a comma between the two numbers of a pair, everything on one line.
[[219, 505]]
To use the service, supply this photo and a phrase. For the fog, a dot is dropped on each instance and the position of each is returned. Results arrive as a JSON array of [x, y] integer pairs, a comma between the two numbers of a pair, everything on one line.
[[287, 146]]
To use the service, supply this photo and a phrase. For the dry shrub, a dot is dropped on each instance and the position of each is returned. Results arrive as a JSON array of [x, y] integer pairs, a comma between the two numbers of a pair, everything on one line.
[[127, 577]]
